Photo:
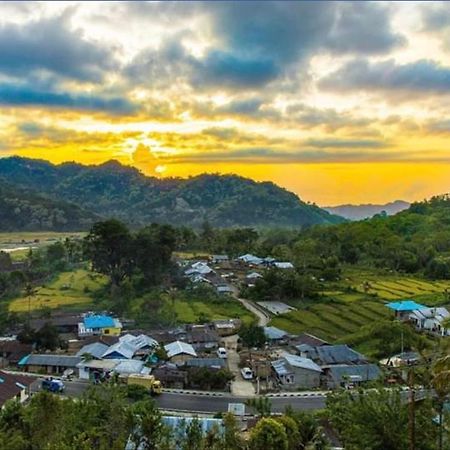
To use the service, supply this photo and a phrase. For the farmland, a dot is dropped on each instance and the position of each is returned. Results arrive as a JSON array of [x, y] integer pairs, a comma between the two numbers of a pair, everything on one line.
[[357, 300], [69, 290]]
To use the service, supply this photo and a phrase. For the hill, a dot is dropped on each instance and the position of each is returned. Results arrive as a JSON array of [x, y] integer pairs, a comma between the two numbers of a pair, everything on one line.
[[24, 210], [366, 211], [114, 190]]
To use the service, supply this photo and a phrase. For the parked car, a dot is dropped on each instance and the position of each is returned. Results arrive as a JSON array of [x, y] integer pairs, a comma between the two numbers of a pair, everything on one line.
[[222, 353], [247, 373]]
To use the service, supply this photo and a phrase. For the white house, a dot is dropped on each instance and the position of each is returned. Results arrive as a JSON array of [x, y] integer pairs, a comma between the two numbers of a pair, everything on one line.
[[430, 319]]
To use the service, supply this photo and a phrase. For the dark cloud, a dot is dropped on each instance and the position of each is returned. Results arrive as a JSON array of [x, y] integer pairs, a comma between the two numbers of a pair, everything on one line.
[[249, 106], [13, 95], [50, 45], [345, 143], [421, 76]]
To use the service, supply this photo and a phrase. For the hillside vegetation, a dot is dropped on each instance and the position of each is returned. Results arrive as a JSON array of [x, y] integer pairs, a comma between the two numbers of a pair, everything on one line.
[[113, 190]]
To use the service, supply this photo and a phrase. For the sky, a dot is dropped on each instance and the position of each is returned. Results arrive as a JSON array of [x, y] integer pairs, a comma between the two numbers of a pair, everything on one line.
[[339, 102]]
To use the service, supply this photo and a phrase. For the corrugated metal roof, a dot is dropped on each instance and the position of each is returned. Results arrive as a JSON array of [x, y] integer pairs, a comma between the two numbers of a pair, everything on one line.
[[206, 362], [367, 372], [304, 363], [335, 354], [98, 321], [121, 348], [50, 360], [97, 349], [179, 348], [129, 366], [274, 333]]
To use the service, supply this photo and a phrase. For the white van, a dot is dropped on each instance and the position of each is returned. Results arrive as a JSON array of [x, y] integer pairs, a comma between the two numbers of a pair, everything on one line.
[[222, 353]]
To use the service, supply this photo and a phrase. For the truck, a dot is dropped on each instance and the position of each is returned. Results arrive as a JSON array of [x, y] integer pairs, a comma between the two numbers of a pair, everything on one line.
[[149, 381], [52, 385]]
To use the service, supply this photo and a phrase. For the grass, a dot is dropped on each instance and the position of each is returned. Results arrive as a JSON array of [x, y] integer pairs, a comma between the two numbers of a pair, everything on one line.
[[345, 307], [31, 236], [189, 311], [70, 290]]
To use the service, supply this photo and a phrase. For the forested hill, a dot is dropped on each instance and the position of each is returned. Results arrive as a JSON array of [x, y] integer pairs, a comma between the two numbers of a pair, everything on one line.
[[24, 210], [114, 190]]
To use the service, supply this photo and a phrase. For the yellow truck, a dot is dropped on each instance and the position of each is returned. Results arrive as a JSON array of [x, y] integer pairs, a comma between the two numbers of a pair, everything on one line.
[[148, 381]]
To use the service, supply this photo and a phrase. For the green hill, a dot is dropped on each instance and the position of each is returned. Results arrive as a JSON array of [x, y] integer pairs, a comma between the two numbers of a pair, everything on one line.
[[113, 190]]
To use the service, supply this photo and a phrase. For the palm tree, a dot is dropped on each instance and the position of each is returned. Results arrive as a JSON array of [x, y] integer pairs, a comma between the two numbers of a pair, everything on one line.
[[441, 383]]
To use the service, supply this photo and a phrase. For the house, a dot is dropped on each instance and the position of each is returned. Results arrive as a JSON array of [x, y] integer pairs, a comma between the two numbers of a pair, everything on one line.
[[339, 375], [431, 319], [170, 376], [325, 355], [210, 363], [96, 350], [131, 366], [294, 372], [121, 350], [143, 345], [63, 322], [250, 259], [404, 308], [12, 351], [308, 339], [96, 369], [99, 324], [14, 387], [198, 268], [178, 352], [283, 265], [202, 337], [49, 364], [226, 327], [219, 259], [276, 336]]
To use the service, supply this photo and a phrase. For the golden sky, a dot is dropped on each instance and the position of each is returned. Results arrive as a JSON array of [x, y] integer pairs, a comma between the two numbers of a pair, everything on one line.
[[340, 102]]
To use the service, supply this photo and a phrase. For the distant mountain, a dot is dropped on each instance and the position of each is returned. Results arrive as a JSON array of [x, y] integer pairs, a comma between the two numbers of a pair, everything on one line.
[[114, 190], [24, 210], [360, 212]]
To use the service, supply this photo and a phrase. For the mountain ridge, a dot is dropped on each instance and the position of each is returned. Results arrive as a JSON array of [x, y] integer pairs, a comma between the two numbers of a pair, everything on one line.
[[367, 210]]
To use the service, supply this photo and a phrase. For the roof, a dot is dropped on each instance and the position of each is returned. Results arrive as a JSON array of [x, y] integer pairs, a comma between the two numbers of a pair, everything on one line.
[[121, 348], [367, 372], [206, 362], [139, 342], [220, 257], [252, 259], [335, 354], [181, 423], [254, 275], [11, 385], [224, 288], [405, 305], [274, 333], [179, 348], [14, 349], [129, 366], [102, 364], [99, 321], [440, 313], [303, 363], [97, 349], [50, 360], [283, 265], [309, 339]]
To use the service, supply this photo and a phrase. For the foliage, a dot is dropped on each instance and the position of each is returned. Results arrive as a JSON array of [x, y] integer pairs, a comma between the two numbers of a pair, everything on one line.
[[262, 405], [207, 379], [267, 434], [252, 335]]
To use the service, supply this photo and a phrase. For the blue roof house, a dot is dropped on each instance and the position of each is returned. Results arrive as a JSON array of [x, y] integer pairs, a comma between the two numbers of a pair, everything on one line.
[[404, 308], [98, 324]]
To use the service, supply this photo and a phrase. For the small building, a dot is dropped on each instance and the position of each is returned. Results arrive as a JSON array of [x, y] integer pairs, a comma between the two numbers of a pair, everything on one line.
[[98, 325], [404, 308], [178, 352], [250, 259], [339, 375], [226, 327], [202, 337], [294, 372], [219, 259], [198, 268], [14, 387], [96, 369], [131, 366], [275, 335], [431, 320], [121, 350], [224, 289], [49, 364], [252, 276], [12, 351]]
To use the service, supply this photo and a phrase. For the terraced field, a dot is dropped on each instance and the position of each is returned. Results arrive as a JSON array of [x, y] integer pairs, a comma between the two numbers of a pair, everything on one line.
[[70, 290]]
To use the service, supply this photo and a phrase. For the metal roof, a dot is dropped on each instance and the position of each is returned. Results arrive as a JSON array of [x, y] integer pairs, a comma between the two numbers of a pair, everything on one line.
[[97, 349], [335, 354], [129, 366], [139, 342], [367, 372], [274, 333], [50, 360], [121, 348], [99, 321], [179, 348], [405, 305], [303, 363], [206, 362]]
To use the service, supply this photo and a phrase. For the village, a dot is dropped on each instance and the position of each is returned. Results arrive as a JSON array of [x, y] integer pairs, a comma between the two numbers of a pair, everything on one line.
[[205, 356]]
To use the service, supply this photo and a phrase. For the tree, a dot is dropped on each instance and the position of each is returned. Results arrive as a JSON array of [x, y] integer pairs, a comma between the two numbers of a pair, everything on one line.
[[268, 434], [193, 439], [108, 246], [441, 383], [252, 335], [47, 338]]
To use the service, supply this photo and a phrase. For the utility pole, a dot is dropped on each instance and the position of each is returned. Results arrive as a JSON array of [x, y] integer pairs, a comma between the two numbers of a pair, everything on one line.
[[412, 411]]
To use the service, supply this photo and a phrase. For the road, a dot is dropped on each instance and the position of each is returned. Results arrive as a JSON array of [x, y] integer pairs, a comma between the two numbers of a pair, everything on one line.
[[202, 403], [263, 318]]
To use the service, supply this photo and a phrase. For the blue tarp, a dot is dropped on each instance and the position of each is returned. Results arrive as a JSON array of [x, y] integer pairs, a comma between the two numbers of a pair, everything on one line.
[[406, 305]]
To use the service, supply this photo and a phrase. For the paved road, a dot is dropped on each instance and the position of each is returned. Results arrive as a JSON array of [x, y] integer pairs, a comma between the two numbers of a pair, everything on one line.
[[263, 318], [201, 403]]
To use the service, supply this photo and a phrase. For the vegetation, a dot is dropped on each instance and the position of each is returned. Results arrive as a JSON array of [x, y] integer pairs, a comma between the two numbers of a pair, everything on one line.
[[113, 190]]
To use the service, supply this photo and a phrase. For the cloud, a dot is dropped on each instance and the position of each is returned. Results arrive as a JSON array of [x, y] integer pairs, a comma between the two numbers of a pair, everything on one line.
[[345, 143], [17, 95], [50, 45], [423, 76]]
